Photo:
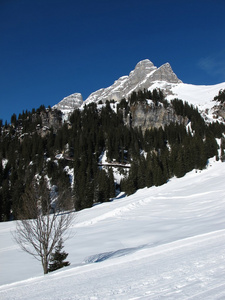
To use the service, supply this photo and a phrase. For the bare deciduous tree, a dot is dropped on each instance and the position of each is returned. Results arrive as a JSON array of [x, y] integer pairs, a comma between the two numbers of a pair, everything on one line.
[[41, 225]]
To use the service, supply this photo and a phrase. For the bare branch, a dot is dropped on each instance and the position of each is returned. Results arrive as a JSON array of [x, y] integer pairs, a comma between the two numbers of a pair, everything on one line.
[[39, 231]]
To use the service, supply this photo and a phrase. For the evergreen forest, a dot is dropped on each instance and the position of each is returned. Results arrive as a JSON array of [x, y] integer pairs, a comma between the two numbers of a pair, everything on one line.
[[66, 155]]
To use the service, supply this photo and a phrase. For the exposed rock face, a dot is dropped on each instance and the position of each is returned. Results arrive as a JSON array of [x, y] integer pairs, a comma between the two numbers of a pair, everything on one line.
[[142, 77], [69, 103], [52, 118], [219, 111], [153, 116], [49, 119], [165, 73]]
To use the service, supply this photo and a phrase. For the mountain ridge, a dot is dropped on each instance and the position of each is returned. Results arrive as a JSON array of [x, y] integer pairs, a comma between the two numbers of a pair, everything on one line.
[[142, 77], [156, 138], [146, 76]]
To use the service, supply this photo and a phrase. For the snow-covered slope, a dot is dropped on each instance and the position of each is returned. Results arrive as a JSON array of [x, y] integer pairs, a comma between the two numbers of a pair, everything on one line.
[[199, 95], [164, 242]]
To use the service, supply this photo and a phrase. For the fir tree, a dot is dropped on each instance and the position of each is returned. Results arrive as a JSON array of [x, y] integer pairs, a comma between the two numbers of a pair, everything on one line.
[[57, 259], [220, 97]]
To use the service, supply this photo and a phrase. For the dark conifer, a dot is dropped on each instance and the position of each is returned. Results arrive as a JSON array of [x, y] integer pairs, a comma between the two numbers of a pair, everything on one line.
[[57, 259]]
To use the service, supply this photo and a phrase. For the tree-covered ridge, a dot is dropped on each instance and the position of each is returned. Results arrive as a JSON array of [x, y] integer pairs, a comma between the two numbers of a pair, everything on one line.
[[39, 145]]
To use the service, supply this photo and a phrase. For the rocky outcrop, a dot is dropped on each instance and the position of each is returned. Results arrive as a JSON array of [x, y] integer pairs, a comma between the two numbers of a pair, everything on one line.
[[51, 119], [47, 120], [219, 111], [152, 116]]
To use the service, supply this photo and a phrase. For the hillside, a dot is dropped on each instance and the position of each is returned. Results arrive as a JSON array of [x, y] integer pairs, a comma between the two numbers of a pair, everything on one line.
[[146, 138], [141, 165], [164, 242]]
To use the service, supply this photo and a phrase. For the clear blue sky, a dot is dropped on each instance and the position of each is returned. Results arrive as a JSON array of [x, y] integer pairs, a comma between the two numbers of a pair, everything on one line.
[[50, 49]]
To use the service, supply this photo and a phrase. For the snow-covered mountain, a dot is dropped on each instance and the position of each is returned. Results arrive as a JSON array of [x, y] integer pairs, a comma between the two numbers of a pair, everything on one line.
[[147, 76], [142, 77], [163, 242]]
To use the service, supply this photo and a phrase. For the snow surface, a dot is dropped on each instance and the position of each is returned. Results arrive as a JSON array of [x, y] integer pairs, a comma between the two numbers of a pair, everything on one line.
[[4, 163], [198, 95], [162, 242]]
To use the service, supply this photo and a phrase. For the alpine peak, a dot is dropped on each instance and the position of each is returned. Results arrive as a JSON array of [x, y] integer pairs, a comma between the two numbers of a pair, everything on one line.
[[144, 75]]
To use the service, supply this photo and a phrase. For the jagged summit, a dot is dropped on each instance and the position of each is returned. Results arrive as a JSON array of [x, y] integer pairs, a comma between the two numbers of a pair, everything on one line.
[[146, 76], [142, 77], [165, 73], [143, 66]]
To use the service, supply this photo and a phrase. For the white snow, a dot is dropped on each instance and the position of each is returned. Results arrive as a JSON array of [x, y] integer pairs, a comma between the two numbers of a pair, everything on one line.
[[70, 172], [4, 163], [59, 156], [198, 95], [164, 242]]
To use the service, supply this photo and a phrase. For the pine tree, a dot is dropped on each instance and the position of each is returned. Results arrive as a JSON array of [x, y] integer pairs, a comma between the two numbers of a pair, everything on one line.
[[220, 97], [57, 259], [112, 191]]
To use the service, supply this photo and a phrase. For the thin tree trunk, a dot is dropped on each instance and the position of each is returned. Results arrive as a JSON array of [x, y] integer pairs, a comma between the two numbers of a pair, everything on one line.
[[45, 264]]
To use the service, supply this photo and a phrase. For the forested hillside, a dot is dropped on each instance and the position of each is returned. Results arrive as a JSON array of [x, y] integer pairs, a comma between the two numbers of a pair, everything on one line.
[[66, 156]]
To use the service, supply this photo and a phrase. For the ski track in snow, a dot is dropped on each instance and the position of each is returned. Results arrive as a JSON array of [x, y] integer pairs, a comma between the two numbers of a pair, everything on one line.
[[165, 242], [117, 212]]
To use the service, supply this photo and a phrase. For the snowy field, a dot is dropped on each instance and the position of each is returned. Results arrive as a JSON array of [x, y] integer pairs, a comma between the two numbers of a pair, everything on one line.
[[164, 242]]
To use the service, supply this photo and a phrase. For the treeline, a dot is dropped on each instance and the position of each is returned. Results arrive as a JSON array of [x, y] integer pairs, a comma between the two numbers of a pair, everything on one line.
[[69, 158], [156, 96]]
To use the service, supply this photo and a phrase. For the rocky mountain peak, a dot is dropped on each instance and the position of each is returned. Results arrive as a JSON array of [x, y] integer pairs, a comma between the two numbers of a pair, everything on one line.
[[144, 66], [144, 75], [165, 73], [69, 103], [142, 70]]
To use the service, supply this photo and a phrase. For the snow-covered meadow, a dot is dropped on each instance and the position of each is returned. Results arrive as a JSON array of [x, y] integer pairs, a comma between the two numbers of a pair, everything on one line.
[[164, 242]]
